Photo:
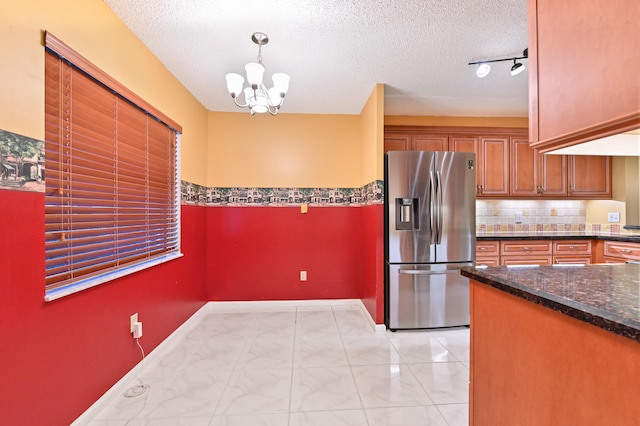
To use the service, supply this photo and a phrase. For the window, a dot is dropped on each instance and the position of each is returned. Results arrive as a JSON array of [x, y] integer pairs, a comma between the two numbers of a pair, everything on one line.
[[111, 197]]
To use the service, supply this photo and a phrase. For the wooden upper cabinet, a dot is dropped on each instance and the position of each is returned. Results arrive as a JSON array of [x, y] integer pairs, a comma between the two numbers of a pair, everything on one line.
[[430, 143], [583, 70], [397, 143], [523, 173], [421, 142], [552, 175], [493, 166], [589, 176], [463, 143]]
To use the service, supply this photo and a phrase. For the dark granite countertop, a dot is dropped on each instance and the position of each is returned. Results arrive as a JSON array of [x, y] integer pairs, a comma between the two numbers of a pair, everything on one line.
[[568, 235], [607, 296]]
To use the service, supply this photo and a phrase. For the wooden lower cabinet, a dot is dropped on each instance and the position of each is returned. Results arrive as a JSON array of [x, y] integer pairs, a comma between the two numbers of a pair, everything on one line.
[[540, 252], [620, 251], [530, 365], [487, 253], [572, 252]]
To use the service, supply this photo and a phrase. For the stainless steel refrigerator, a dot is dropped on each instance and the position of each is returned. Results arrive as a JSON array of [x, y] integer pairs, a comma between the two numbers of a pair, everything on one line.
[[430, 234]]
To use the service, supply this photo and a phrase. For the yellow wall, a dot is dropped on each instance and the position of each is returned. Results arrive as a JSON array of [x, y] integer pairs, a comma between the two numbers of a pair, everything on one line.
[[286, 150], [90, 28], [598, 210], [372, 137], [405, 120]]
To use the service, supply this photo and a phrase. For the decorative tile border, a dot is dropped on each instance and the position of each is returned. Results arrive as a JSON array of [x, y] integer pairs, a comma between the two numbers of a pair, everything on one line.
[[194, 194]]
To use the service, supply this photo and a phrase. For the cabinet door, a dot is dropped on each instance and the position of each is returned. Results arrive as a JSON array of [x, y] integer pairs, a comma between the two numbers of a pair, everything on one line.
[[493, 165], [602, 39], [430, 143], [589, 176], [523, 173], [467, 144], [552, 175], [397, 143]]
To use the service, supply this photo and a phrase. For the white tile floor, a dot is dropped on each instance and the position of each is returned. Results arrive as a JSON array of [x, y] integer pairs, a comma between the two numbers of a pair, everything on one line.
[[296, 364]]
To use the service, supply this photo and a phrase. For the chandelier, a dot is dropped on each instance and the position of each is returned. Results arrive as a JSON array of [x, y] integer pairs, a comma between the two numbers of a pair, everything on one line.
[[257, 97]]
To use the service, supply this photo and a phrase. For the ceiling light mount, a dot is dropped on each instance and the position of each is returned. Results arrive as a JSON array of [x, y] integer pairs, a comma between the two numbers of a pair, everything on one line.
[[258, 98], [483, 67]]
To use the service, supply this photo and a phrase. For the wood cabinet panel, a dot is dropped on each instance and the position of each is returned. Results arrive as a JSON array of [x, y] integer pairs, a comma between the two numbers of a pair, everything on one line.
[[430, 143], [552, 175], [523, 173], [488, 261], [397, 143], [622, 250], [565, 110], [572, 247], [533, 174], [493, 160], [487, 248], [526, 260], [525, 248], [589, 176], [571, 260]]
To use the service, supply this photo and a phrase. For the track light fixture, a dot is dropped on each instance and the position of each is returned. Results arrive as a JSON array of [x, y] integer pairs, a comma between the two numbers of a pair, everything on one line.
[[483, 68]]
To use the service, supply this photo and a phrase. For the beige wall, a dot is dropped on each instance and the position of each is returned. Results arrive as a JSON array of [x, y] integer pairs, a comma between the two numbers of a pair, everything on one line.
[[598, 210], [372, 137], [90, 28], [287, 150]]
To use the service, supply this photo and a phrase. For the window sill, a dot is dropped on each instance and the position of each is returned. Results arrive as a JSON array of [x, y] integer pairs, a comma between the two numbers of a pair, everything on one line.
[[59, 292]]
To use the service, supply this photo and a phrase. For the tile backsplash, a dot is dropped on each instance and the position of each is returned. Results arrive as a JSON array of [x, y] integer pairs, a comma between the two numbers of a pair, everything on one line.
[[534, 215]]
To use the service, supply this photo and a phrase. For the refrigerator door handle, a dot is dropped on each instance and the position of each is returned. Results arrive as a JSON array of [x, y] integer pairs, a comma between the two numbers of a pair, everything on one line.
[[423, 272], [440, 213], [433, 211]]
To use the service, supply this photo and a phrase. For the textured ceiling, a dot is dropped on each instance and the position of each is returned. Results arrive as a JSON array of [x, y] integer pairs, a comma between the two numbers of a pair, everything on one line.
[[336, 51]]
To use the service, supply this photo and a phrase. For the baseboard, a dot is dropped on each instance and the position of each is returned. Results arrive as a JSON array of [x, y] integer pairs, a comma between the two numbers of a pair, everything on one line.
[[131, 378]]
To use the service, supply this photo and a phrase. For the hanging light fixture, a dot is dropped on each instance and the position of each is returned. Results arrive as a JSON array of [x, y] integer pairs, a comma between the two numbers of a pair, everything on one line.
[[483, 68], [257, 97], [517, 68]]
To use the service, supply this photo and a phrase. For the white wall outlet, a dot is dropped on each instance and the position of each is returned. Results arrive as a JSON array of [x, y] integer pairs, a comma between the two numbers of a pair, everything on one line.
[[137, 330], [303, 275], [519, 217], [132, 322], [614, 217]]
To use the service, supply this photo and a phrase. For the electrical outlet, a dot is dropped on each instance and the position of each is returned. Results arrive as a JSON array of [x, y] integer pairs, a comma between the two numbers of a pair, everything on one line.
[[519, 217], [303, 275], [614, 217], [132, 322], [137, 330]]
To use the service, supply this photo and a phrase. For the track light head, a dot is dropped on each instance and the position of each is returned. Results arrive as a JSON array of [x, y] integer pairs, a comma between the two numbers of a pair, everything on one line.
[[517, 68], [483, 70]]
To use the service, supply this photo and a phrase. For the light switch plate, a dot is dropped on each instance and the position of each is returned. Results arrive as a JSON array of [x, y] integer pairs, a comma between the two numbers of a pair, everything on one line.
[[614, 217]]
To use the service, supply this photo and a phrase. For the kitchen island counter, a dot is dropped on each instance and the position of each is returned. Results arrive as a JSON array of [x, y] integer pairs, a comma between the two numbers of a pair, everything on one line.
[[554, 345], [607, 296]]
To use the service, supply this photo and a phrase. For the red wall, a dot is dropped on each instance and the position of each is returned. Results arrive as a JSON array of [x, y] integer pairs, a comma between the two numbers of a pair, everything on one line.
[[57, 358], [257, 253], [372, 240]]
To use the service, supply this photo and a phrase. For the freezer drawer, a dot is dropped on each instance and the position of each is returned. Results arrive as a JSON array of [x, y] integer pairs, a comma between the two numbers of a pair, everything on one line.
[[427, 296]]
